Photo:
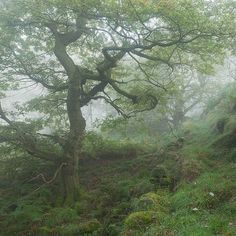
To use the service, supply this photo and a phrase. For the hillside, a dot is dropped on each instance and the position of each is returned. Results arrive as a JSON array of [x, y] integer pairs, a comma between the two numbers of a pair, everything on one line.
[[183, 187]]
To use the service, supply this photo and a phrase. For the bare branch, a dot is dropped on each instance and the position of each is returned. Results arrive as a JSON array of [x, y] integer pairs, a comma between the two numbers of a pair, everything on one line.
[[112, 103], [96, 89], [52, 179], [146, 74], [134, 98], [37, 80]]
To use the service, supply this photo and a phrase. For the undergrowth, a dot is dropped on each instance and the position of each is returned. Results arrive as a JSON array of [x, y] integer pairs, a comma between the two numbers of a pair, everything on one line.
[[122, 193]]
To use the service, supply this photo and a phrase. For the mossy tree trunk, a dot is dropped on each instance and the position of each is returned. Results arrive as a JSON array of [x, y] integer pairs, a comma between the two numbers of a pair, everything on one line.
[[73, 143], [72, 149], [77, 98]]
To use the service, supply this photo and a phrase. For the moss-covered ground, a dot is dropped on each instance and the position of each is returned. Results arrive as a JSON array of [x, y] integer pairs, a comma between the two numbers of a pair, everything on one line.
[[181, 187]]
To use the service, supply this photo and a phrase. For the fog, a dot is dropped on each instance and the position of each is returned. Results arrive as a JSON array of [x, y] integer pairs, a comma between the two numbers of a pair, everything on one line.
[[98, 110]]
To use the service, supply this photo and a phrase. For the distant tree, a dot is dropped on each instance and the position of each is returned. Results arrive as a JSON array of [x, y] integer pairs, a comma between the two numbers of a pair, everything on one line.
[[78, 51], [190, 92]]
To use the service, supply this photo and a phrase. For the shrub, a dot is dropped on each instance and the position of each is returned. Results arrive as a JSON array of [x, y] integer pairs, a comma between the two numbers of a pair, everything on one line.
[[22, 219]]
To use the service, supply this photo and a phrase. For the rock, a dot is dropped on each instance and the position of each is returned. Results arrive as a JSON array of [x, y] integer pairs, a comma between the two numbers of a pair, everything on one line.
[[89, 226], [151, 201], [140, 219]]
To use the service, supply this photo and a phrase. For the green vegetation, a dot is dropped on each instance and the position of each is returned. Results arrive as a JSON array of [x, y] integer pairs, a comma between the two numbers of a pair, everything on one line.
[[120, 195], [163, 163]]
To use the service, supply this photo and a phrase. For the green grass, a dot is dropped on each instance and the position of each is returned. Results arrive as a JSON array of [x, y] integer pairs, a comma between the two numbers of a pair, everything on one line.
[[117, 197]]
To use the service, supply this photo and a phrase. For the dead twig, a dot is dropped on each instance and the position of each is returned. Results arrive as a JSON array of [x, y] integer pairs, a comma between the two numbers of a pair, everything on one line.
[[50, 180]]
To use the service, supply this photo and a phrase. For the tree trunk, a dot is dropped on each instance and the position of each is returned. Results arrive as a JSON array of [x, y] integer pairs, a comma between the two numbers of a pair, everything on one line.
[[73, 144], [72, 149], [178, 118], [70, 175], [178, 113]]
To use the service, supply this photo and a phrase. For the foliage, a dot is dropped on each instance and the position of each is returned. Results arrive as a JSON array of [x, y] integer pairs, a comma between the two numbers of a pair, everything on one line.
[[121, 52], [203, 202]]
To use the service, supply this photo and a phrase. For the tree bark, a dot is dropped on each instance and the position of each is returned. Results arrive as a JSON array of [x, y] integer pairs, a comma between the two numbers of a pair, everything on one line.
[[72, 148], [73, 144]]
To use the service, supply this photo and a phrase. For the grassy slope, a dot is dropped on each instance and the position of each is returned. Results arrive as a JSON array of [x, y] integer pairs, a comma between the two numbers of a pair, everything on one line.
[[118, 197], [203, 203]]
